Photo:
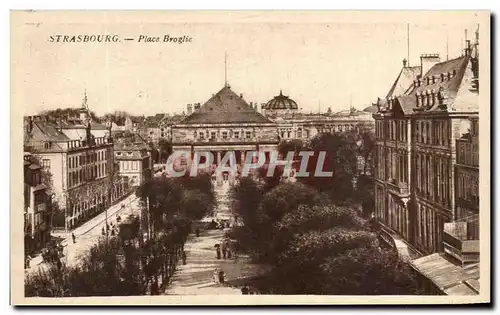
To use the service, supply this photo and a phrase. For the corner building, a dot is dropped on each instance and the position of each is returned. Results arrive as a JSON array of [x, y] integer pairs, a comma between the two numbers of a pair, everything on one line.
[[417, 125]]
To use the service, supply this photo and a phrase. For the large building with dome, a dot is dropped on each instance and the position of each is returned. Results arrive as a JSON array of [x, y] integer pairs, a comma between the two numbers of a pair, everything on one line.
[[227, 122]]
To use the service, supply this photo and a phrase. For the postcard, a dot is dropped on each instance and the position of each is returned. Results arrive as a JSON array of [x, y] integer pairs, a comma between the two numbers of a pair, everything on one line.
[[283, 158]]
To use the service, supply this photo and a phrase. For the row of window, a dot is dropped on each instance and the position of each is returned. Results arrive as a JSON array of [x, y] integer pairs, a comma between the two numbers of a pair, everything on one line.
[[429, 232], [468, 152], [76, 161], [226, 135], [129, 165], [392, 164], [433, 132], [77, 177], [468, 187], [78, 208], [433, 176], [392, 212], [396, 129]]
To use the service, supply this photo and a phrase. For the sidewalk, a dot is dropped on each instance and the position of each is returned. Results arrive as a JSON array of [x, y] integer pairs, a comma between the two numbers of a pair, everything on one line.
[[88, 233], [196, 277]]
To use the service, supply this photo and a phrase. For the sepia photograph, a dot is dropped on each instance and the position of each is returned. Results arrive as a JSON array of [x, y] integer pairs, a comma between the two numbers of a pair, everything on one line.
[[300, 157]]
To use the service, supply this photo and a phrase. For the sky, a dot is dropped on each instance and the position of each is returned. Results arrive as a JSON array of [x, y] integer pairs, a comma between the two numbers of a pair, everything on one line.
[[319, 65]]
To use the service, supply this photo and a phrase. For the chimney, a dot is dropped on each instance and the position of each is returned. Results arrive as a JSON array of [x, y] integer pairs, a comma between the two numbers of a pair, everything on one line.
[[241, 95], [404, 63], [196, 106], [189, 109], [427, 61], [28, 125], [467, 49]]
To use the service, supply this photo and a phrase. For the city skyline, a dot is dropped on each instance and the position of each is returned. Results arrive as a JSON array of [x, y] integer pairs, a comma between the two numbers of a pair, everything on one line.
[[297, 53]]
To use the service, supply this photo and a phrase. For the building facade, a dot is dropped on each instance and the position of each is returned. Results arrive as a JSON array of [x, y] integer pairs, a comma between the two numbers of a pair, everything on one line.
[[84, 177], [416, 134], [133, 157], [226, 122], [37, 207]]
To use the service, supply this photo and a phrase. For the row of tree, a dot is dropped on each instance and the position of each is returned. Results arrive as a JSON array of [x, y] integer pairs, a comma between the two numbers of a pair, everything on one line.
[[142, 258], [312, 231]]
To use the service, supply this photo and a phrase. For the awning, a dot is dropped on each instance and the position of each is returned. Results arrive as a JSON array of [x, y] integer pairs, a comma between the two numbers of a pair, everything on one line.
[[450, 278]]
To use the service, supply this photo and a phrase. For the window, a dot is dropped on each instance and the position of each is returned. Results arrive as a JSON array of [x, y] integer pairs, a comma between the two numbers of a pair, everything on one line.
[[236, 134], [224, 135], [248, 134], [212, 135], [428, 132], [202, 135], [46, 163]]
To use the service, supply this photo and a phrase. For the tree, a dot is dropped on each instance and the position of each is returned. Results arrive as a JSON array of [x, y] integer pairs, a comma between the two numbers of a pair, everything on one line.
[[340, 159], [165, 149], [315, 247], [367, 271], [294, 145]]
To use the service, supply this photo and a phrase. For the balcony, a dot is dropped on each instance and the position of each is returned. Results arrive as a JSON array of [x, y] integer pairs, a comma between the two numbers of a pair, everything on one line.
[[461, 239]]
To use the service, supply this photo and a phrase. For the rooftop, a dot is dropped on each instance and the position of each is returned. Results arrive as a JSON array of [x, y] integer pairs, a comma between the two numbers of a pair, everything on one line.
[[448, 277], [225, 107]]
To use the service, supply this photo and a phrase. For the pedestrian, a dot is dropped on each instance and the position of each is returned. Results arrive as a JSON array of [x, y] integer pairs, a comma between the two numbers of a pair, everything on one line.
[[216, 275], [229, 255], [224, 250], [244, 290], [155, 290], [221, 276], [27, 262], [197, 232], [73, 237], [184, 257], [217, 250]]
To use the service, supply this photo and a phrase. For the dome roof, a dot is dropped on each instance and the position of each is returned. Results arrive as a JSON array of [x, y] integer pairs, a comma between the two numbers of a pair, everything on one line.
[[281, 102]]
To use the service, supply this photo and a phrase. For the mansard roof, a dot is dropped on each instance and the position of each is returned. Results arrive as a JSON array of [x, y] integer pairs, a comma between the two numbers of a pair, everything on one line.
[[450, 79], [225, 107], [404, 81]]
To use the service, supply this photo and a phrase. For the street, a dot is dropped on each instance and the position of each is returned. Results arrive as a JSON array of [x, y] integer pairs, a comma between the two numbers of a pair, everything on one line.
[[196, 277], [89, 233]]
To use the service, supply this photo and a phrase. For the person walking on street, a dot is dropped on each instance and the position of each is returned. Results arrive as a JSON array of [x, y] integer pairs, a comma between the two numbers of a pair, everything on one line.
[[224, 250], [221, 276], [217, 250], [245, 290], [197, 232], [216, 275], [184, 257], [155, 290], [73, 237]]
